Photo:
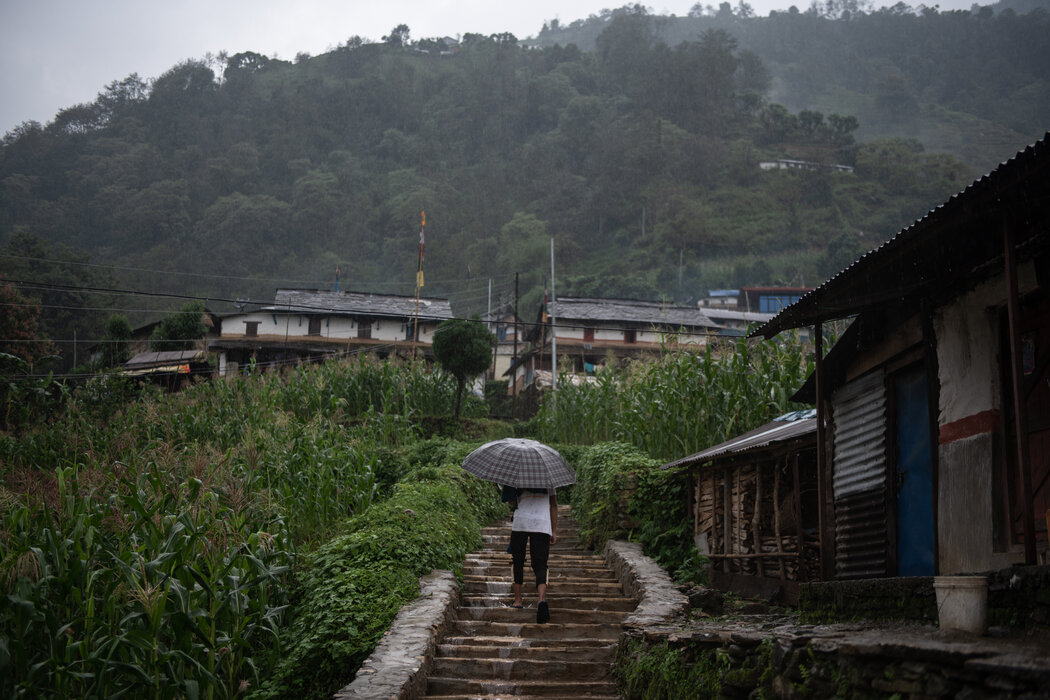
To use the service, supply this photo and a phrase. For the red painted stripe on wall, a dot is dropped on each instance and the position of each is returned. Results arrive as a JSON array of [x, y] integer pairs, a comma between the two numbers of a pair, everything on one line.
[[977, 424]]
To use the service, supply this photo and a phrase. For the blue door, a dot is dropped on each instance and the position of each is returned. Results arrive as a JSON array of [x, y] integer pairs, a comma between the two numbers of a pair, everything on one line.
[[914, 477]]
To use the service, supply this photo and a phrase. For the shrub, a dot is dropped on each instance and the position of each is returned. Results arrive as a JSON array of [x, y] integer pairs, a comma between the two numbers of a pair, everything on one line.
[[620, 493], [354, 584]]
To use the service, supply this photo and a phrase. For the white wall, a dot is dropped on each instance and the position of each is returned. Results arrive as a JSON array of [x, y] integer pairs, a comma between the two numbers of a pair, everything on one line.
[[616, 334], [332, 327]]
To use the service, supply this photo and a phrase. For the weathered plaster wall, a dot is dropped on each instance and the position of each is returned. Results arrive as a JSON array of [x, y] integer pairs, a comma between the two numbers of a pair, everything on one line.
[[968, 347], [965, 509], [970, 398], [967, 354]]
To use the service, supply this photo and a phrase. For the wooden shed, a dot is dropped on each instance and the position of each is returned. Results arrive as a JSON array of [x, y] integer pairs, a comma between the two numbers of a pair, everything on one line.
[[754, 508]]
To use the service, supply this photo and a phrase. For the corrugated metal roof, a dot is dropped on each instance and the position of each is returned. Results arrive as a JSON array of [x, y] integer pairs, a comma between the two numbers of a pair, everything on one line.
[[789, 426], [733, 315], [167, 357], [946, 243], [309, 301], [627, 310]]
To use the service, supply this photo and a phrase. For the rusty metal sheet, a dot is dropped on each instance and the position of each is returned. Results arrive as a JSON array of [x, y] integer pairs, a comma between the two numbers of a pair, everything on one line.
[[861, 535]]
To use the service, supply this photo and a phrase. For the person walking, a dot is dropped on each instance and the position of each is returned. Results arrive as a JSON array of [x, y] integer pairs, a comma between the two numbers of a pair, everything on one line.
[[535, 523]]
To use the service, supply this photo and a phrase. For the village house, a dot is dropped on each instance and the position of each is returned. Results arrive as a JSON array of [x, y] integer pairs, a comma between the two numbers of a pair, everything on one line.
[[589, 332], [754, 509], [307, 325], [171, 369], [505, 326], [933, 408]]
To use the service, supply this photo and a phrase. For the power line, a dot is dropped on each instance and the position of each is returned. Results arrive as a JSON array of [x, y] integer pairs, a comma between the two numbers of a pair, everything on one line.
[[317, 284]]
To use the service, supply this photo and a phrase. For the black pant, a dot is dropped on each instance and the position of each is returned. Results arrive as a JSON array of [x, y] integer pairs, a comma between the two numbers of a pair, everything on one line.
[[539, 550]]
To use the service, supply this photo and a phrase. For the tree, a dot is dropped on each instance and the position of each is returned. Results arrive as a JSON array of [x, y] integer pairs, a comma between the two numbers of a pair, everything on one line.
[[463, 349], [19, 327], [115, 349], [180, 330], [399, 36]]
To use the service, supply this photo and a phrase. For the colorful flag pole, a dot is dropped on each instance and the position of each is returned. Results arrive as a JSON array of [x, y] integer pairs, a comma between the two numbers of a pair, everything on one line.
[[419, 271], [419, 276]]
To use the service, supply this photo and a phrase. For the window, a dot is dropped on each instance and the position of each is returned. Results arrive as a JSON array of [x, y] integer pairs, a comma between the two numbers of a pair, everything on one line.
[[588, 335], [771, 304], [630, 336], [315, 326], [251, 329], [364, 328]]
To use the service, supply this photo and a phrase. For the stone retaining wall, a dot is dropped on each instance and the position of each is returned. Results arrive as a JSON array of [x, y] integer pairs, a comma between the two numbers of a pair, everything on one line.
[[400, 664], [659, 600]]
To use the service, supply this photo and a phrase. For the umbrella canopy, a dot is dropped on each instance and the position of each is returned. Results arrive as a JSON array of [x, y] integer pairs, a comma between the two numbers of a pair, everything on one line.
[[521, 463]]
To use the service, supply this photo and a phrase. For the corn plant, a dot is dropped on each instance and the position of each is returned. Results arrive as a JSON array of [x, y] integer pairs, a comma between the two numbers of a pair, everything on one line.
[[146, 547], [682, 401]]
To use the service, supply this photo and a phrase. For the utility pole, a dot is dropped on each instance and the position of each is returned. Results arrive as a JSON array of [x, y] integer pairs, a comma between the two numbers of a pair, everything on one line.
[[514, 362], [554, 341]]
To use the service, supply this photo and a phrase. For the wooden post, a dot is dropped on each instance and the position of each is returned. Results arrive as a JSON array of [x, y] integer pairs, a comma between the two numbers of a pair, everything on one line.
[[756, 522], [1020, 409], [776, 515], [727, 518], [803, 573], [714, 514], [826, 560]]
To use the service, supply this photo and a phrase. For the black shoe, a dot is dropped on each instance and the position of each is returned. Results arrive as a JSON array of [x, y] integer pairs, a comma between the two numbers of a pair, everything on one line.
[[543, 613]]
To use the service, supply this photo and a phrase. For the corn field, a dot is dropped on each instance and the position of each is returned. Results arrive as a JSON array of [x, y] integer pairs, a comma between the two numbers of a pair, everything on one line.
[[147, 548], [681, 402]]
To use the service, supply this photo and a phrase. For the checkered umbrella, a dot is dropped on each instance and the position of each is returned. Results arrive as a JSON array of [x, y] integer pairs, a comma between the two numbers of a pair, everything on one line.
[[521, 463]]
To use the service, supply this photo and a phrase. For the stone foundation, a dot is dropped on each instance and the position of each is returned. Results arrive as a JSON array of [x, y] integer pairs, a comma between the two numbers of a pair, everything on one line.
[[1018, 600], [792, 661]]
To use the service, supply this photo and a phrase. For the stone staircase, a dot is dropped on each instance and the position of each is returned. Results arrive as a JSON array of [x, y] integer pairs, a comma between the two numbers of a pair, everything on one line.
[[496, 651]]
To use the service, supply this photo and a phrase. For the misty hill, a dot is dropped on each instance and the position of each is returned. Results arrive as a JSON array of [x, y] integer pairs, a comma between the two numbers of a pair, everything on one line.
[[659, 168], [972, 84]]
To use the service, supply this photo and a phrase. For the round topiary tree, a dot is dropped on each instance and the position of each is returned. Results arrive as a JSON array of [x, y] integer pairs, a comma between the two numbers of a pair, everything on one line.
[[463, 349]]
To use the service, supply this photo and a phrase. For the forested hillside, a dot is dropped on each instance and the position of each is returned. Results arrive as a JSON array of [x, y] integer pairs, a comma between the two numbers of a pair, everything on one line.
[[223, 178], [972, 84]]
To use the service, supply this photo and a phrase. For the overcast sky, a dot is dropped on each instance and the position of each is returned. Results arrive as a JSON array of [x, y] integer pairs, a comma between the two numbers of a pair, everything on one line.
[[58, 53]]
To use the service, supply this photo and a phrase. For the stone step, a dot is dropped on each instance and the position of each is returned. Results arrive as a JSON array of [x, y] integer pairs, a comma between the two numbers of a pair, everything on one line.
[[558, 615], [502, 586], [582, 557], [500, 547], [483, 567], [523, 669], [568, 650], [553, 569], [478, 688], [519, 697], [504, 643], [532, 630], [555, 577], [558, 558], [495, 651], [566, 531], [562, 602]]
